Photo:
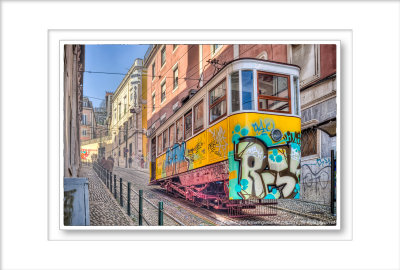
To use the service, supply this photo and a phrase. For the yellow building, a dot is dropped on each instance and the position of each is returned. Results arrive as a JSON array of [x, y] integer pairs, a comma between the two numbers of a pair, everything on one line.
[[128, 124], [90, 148]]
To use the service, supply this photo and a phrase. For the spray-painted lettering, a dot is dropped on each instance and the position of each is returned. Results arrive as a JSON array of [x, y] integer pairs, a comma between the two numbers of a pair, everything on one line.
[[264, 126]]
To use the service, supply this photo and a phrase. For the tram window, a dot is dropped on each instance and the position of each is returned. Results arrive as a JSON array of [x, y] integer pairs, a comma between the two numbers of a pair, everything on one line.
[[159, 144], [247, 90], [235, 91], [218, 102], [188, 125], [272, 85], [165, 140], [179, 130], [273, 105], [171, 135], [273, 92], [198, 117]]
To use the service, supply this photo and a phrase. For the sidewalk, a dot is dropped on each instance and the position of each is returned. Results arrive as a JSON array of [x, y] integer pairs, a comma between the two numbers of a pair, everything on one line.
[[104, 209]]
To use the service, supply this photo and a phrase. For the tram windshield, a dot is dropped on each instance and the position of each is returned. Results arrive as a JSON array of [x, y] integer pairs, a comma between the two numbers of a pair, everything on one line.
[[263, 91], [273, 92]]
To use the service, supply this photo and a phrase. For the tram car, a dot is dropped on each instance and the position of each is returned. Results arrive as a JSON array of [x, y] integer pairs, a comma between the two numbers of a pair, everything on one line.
[[236, 141]]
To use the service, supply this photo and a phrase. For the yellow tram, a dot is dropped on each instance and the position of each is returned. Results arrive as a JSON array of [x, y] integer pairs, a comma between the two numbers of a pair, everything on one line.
[[236, 139]]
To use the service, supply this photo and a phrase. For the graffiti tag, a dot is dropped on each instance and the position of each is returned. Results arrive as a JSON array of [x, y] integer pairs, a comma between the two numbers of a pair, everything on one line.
[[264, 126], [219, 144], [292, 137]]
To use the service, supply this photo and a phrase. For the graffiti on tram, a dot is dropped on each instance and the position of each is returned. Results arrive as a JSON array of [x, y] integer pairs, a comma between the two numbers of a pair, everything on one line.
[[262, 166]]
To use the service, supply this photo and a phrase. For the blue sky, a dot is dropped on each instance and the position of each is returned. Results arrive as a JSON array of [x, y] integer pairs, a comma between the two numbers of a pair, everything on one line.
[[107, 58]]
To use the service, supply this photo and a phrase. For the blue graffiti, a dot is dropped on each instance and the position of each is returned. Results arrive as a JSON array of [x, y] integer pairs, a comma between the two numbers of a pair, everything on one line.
[[275, 156], [324, 162], [175, 154], [238, 133], [265, 126]]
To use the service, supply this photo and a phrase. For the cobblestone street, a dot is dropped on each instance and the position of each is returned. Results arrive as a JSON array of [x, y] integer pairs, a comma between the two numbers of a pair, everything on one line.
[[104, 210]]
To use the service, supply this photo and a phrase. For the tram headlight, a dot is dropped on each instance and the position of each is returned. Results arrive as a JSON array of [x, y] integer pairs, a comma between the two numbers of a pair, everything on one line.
[[276, 135]]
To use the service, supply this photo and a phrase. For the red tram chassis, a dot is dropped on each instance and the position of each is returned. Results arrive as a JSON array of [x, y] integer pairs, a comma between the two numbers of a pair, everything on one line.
[[216, 195]]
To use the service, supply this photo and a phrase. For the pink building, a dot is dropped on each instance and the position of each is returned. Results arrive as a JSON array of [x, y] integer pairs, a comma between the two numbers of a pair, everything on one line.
[[88, 121], [173, 70]]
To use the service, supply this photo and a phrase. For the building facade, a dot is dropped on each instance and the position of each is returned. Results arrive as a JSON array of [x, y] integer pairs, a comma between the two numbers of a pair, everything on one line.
[[318, 89], [128, 108], [74, 66], [88, 121], [175, 72], [108, 123]]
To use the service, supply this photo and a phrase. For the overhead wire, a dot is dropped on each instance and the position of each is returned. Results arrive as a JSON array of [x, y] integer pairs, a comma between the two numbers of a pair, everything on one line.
[[194, 66]]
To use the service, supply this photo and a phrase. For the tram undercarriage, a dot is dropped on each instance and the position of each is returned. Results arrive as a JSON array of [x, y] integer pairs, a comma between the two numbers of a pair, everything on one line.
[[215, 195]]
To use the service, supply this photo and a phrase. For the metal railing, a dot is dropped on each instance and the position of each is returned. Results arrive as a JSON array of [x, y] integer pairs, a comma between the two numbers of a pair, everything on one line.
[[128, 198]]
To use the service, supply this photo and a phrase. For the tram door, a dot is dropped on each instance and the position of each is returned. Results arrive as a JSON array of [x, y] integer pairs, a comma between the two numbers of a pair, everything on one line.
[[153, 159]]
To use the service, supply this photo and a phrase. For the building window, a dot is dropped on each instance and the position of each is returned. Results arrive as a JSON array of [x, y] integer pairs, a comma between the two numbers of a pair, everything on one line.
[[171, 135], [309, 142], [188, 125], [179, 130], [119, 111], [247, 90], [175, 71], [125, 105], [84, 119], [307, 57], [159, 144], [165, 140], [174, 46], [163, 56], [235, 96], [273, 92], [153, 71], [215, 48], [163, 91], [217, 99], [131, 96], [153, 102], [198, 116], [84, 132], [125, 131]]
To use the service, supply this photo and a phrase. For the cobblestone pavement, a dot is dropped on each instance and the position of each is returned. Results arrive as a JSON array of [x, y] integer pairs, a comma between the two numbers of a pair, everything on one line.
[[104, 210], [289, 212], [139, 180]]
